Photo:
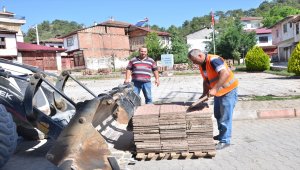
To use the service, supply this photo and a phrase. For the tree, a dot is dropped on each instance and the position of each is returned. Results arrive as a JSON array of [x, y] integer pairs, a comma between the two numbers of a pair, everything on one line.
[[294, 61], [179, 47], [277, 13], [231, 40], [155, 49], [48, 30], [257, 60]]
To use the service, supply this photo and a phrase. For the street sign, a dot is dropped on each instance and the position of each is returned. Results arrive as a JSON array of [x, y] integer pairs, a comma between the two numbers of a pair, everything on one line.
[[167, 60]]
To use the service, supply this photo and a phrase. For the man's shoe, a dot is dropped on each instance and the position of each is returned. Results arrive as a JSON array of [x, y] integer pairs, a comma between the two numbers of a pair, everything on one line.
[[216, 137], [220, 145]]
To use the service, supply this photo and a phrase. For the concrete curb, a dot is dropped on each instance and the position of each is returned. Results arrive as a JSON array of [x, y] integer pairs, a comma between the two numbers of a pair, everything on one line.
[[278, 113]]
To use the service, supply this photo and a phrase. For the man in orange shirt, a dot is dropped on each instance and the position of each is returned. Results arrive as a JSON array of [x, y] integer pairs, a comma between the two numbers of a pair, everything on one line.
[[218, 81]]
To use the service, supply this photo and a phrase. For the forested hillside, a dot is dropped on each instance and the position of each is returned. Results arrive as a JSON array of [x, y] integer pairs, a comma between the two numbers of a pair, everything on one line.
[[272, 11], [230, 41], [52, 29]]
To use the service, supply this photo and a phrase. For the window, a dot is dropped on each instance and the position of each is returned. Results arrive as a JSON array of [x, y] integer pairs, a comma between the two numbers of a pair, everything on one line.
[[277, 33], [291, 24], [284, 28], [69, 41], [263, 39], [2, 43], [297, 29]]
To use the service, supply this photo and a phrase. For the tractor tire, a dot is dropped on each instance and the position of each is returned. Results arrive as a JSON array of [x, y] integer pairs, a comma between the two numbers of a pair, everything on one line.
[[8, 136]]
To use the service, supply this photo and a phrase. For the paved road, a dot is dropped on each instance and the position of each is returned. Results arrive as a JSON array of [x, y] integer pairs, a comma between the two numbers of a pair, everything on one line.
[[189, 88], [257, 144]]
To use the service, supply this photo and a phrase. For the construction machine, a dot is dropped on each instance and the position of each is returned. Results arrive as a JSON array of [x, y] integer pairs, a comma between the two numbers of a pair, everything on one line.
[[33, 105]]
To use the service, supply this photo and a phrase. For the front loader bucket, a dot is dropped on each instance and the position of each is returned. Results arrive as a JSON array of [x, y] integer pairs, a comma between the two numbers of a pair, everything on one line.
[[80, 146], [127, 102]]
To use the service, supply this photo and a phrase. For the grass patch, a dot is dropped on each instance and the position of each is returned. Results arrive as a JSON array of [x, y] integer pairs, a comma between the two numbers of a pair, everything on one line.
[[99, 77], [240, 68], [280, 73], [186, 72], [272, 97]]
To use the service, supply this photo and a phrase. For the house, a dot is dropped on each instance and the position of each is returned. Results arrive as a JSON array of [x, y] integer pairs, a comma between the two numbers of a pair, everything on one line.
[[199, 39], [284, 36], [251, 23], [99, 46], [13, 48], [46, 58], [53, 42], [105, 45], [137, 37], [264, 40], [296, 22], [10, 33], [263, 35]]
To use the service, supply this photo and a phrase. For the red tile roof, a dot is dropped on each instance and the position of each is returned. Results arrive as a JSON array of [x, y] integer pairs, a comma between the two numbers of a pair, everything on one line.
[[33, 47], [106, 23], [158, 32], [54, 40], [297, 19], [263, 31], [251, 18], [115, 24]]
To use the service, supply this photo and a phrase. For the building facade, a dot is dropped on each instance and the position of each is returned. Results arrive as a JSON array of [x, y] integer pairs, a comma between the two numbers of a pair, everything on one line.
[[251, 23], [10, 33], [46, 58], [100, 46], [284, 36], [137, 37], [106, 45], [199, 39]]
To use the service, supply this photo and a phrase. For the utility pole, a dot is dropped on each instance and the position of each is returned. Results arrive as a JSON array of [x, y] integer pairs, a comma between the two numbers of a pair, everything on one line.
[[37, 34], [214, 43], [213, 30]]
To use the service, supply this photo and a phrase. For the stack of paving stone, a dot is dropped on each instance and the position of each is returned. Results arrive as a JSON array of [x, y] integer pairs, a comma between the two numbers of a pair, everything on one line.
[[199, 130], [146, 129], [170, 128]]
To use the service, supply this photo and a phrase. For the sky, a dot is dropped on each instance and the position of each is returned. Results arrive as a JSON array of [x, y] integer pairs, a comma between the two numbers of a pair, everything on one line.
[[163, 13]]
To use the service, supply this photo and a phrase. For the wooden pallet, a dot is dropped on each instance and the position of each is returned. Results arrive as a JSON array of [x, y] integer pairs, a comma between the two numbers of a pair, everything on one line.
[[175, 155]]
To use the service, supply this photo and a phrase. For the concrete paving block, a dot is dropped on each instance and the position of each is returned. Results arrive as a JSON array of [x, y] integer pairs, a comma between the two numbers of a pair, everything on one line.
[[276, 113]]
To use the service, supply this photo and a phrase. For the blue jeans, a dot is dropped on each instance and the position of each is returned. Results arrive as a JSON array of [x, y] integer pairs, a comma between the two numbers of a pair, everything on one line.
[[145, 87], [223, 110]]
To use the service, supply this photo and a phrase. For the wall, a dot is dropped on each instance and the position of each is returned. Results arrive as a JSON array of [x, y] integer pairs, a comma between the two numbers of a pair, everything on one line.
[[290, 31], [58, 61], [297, 36], [198, 39], [266, 43], [101, 43], [11, 45], [43, 60], [105, 62], [251, 24], [75, 45], [276, 34]]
